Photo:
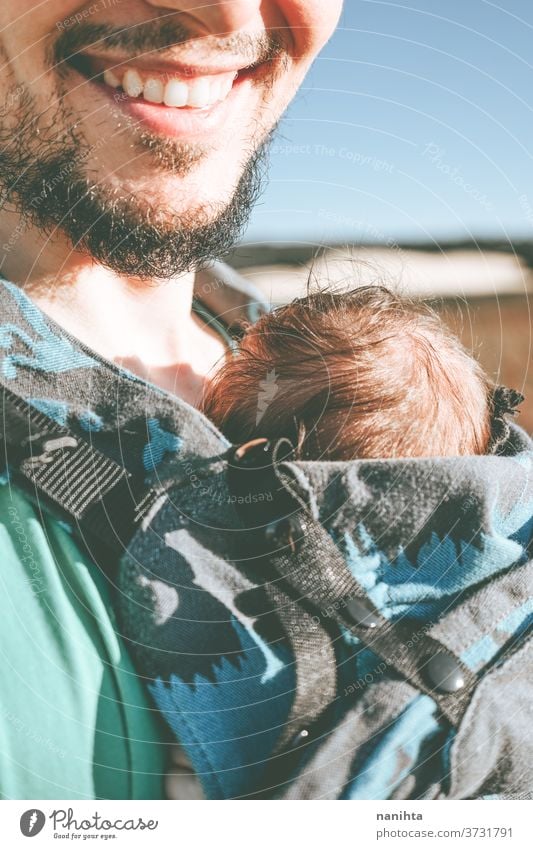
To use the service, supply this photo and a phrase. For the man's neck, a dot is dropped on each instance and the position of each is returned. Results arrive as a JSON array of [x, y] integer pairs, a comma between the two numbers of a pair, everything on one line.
[[148, 328]]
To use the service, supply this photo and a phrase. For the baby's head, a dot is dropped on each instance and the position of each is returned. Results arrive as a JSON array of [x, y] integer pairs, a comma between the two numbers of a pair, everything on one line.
[[356, 375]]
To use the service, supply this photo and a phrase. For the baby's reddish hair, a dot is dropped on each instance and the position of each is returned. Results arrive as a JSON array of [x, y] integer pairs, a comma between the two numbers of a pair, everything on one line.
[[354, 375]]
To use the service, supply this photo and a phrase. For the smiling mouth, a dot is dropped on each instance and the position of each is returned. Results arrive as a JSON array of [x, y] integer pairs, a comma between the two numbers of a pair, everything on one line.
[[174, 90]]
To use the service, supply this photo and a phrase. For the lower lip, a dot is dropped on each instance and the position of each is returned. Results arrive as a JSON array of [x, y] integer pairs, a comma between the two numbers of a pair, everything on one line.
[[173, 122]]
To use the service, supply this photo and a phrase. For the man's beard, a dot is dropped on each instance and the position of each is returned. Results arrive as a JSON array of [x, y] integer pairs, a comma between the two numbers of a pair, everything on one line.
[[43, 176]]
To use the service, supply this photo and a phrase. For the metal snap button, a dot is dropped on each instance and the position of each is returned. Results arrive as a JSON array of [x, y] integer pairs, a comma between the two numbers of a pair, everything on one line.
[[360, 614], [300, 738], [444, 673]]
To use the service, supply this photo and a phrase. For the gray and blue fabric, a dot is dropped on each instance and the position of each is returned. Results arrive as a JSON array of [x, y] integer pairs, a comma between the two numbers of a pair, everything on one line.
[[442, 544]]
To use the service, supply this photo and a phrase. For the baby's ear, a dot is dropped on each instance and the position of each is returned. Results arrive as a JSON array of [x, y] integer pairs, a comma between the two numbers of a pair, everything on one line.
[[502, 402], [300, 433], [240, 329]]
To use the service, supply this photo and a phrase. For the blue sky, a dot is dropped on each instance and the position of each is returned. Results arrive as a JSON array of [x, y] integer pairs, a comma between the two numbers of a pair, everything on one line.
[[416, 122]]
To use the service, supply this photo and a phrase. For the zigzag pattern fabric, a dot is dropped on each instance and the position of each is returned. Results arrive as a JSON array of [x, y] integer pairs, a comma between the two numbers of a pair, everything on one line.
[[442, 543]]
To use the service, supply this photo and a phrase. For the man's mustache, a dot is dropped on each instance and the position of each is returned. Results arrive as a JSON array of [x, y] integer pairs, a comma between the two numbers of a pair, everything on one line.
[[159, 36]]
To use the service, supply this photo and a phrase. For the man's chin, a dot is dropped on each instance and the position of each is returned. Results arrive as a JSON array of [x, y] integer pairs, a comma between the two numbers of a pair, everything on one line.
[[169, 156], [142, 154], [113, 219], [139, 233]]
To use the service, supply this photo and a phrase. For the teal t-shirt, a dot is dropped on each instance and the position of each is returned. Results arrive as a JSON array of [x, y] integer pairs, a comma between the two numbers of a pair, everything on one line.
[[75, 720]]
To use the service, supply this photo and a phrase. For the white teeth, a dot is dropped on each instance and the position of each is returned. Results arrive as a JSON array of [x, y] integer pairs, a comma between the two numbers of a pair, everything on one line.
[[132, 83], [153, 90], [176, 93], [215, 91], [198, 93], [111, 79]]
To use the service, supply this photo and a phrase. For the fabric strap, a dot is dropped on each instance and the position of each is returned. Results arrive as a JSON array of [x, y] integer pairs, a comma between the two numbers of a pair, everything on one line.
[[312, 566], [306, 570], [79, 481]]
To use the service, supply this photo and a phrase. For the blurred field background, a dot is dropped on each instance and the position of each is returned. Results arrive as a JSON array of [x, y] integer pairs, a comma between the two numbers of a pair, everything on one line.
[[411, 143]]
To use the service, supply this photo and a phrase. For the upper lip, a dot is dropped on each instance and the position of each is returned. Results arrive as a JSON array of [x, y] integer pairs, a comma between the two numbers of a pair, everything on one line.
[[171, 67]]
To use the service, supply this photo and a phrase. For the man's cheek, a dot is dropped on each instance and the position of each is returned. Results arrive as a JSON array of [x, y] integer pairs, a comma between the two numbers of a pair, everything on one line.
[[33, 18], [311, 23]]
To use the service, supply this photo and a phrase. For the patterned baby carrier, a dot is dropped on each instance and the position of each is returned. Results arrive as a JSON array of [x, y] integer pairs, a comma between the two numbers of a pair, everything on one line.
[[332, 630]]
